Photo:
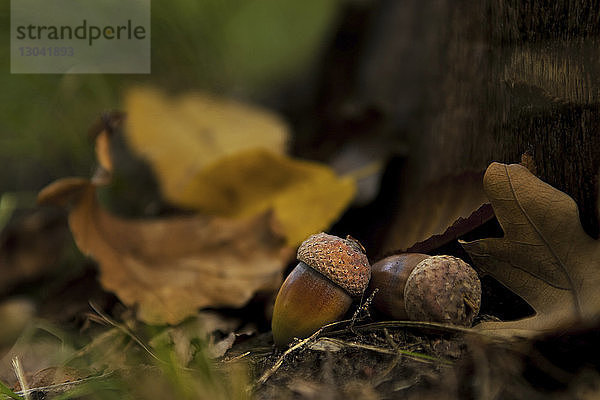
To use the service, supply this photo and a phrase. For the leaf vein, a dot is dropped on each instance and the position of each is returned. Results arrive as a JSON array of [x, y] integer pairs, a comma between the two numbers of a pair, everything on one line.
[[560, 263]]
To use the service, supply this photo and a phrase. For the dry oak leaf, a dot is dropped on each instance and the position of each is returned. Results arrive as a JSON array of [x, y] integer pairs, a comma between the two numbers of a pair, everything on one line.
[[171, 267], [435, 208], [179, 136], [545, 256]]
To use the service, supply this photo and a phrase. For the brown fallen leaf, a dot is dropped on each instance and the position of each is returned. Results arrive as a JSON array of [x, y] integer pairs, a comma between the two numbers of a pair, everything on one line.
[[545, 256], [459, 228], [62, 192], [101, 132], [434, 209], [171, 267]]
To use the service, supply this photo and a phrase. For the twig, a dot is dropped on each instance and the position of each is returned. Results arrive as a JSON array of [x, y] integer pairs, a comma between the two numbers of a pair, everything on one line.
[[417, 356], [64, 386], [390, 368], [364, 307], [390, 339], [236, 358], [297, 346], [289, 351], [362, 346], [434, 326]]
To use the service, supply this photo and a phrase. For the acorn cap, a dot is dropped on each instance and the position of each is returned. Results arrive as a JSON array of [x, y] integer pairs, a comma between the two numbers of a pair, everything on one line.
[[341, 260], [443, 289]]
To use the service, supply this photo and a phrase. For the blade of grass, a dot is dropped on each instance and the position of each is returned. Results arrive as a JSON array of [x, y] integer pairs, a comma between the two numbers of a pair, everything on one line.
[[21, 377], [6, 392]]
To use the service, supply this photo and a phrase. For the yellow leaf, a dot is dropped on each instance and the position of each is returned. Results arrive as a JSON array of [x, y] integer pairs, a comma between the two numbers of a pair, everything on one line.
[[307, 197], [180, 136], [225, 158]]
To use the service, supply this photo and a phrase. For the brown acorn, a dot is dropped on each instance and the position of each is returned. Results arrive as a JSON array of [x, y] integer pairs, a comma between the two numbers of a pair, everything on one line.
[[389, 275], [320, 289]]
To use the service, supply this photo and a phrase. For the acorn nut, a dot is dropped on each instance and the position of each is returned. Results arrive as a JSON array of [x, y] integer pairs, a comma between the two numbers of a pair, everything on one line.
[[389, 275], [319, 290], [443, 289]]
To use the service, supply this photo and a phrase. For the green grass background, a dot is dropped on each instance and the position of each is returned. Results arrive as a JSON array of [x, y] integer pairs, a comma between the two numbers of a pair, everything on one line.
[[242, 48]]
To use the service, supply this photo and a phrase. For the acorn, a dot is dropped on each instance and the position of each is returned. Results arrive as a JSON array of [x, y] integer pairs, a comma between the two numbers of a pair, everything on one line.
[[331, 271], [443, 289], [389, 276]]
